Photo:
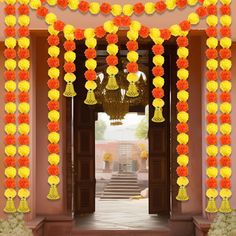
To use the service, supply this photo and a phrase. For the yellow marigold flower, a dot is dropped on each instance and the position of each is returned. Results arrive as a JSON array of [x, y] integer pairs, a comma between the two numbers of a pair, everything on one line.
[[226, 42], [212, 86], [170, 4], [35, 4], [225, 2], [53, 137], [10, 86], [24, 128], [182, 181], [91, 64], [90, 85], [212, 20], [10, 193], [24, 86], [157, 102], [53, 73], [182, 96], [10, 42], [212, 64], [68, 29], [24, 172], [53, 179], [225, 172], [10, 150], [70, 77], [182, 138], [158, 82], [212, 42], [226, 20], [24, 107], [154, 33], [175, 30], [132, 56], [225, 193], [53, 159], [192, 2], [158, 60], [24, 20], [183, 74], [73, 4], [132, 35], [211, 193], [212, 129], [128, 9], [225, 150], [52, 2], [10, 2], [53, 115], [10, 129], [149, 8], [54, 51], [212, 108], [10, 20], [91, 42], [132, 77], [10, 64], [183, 160], [226, 107], [54, 94], [225, 86], [70, 56], [52, 31], [182, 52], [50, 18], [135, 25], [212, 150], [23, 42], [226, 129], [225, 64], [193, 18], [10, 172], [94, 8], [23, 193], [112, 70], [212, 172], [10, 107], [110, 27], [24, 64], [116, 9], [182, 117]]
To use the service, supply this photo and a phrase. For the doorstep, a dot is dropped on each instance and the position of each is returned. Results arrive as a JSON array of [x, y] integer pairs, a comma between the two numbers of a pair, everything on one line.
[[202, 225]]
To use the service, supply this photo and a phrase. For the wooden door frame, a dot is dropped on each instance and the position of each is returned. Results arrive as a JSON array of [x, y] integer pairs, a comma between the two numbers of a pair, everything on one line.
[[175, 206]]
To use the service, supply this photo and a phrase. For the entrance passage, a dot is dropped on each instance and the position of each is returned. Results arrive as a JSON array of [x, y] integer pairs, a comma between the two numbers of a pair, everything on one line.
[[88, 185]]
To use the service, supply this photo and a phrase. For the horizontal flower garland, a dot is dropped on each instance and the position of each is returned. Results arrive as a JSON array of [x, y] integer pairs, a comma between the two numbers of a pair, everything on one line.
[[225, 107], [24, 106], [212, 108], [138, 8], [10, 106], [53, 113]]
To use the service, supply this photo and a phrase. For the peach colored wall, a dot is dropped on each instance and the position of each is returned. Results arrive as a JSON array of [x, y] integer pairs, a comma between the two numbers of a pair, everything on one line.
[[79, 20]]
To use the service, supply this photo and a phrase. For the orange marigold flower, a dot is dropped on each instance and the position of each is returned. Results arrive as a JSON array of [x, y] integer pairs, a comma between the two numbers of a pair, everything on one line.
[[138, 8], [53, 62], [10, 161], [132, 67], [225, 53], [10, 31], [23, 9], [10, 75], [23, 139], [212, 10], [185, 25], [182, 85], [160, 6], [211, 139], [53, 40], [112, 38], [126, 21], [158, 49], [118, 21], [23, 161], [211, 75], [59, 25], [225, 161], [100, 32], [53, 170], [79, 34], [24, 183], [10, 183], [182, 41], [23, 31], [182, 106], [10, 118], [211, 183], [10, 53], [201, 11], [42, 11], [182, 149], [211, 97], [225, 118], [225, 10], [181, 3], [23, 53], [23, 75], [105, 8], [53, 83], [182, 128], [10, 9], [23, 118], [144, 31], [112, 60], [132, 45], [53, 105], [211, 31], [62, 3], [53, 126], [182, 63], [83, 6], [225, 97], [53, 148], [10, 139], [90, 53], [158, 71], [165, 34], [10, 97], [225, 183], [69, 45], [90, 75], [69, 67], [225, 75], [182, 171], [211, 161], [158, 93], [211, 118], [23, 97], [211, 53], [225, 31]]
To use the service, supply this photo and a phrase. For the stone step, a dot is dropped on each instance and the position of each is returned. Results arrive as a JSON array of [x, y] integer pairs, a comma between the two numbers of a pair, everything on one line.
[[122, 193], [123, 180], [122, 190], [122, 187], [116, 197], [122, 184]]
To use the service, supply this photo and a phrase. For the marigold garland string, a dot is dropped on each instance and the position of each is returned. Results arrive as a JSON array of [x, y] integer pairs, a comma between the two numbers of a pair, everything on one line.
[[24, 106], [225, 107], [53, 113], [10, 105], [212, 108]]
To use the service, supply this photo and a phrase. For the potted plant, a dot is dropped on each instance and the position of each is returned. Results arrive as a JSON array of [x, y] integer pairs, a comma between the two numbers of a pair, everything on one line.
[[107, 158]]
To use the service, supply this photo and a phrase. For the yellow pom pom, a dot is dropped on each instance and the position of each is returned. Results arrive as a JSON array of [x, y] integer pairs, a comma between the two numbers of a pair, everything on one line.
[[54, 94], [53, 73], [212, 20], [212, 86], [70, 77], [24, 150], [212, 129], [73, 4], [193, 18], [182, 52], [226, 129], [183, 160], [10, 42], [53, 137], [226, 20], [23, 42], [132, 77], [154, 33], [158, 82], [183, 74], [91, 42], [226, 42], [170, 4], [10, 129], [10, 86], [157, 102], [225, 150], [226, 86], [226, 172], [132, 56], [212, 42], [182, 181], [23, 193], [182, 117], [226, 107], [110, 27], [182, 96], [10, 150], [158, 60], [128, 9], [24, 86], [91, 64], [10, 20], [10, 193], [212, 172], [53, 159], [53, 115], [24, 128], [10, 172], [89, 33], [24, 172], [54, 51], [225, 193], [132, 35], [212, 64], [225, 64], [35, 4], [182, 138], [10, 107], [70, 56], [24, 107], [10, 64], [90, 85], [94, 8], [112, 70], [116, 9], [149, 8], [212, 150], [24, 64], [52, 2], [211, 193], [24, 20], [50, 18], [53, 180], [112, 49], [212, 108], [135, 25]]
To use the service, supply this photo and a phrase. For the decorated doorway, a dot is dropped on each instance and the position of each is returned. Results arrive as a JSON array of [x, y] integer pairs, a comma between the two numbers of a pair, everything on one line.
[[161, 148]]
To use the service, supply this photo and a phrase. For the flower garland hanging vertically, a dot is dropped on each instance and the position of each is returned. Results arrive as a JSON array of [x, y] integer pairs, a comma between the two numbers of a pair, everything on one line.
[[225, 107], [10, 106], [212, 108], [24, 106], [90, 64], [53, 114]]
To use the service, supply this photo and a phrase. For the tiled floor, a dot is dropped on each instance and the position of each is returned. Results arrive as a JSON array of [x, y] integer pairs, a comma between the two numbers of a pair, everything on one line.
[[122, 215]]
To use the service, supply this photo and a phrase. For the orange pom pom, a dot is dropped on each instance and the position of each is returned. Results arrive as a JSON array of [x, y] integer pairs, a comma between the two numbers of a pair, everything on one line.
[[53, 62], [90, 53], [10, 183], [105, 8], [211, 139], [182, 41], [225, 139], [211, 75], [53, 40], [138, 8], [132, 67], [132, 45], [79, 34], [211, 183], [23, 139], [53, 148], [182, 128], [225, 183], [23, 118], [158, 71], [182, 149], [225, 118], [53, 126], [53, 170], [23, 183], [225, 53], [23, 161], [211, 161], [158, 49], [69, 67], [211, 31], [10, 118], [182, 106], [69, 45], [112, 60], [144, 32], [23, 97], [112, 38], [90, 75], [10, 139], [10, 97], [53, 105], [100, 32], [225, 161], [182, 171], [10, 161], [182, 84]]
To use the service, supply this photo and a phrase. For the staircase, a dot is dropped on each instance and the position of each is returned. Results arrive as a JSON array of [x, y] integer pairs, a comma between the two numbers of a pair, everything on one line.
[[121, 186]]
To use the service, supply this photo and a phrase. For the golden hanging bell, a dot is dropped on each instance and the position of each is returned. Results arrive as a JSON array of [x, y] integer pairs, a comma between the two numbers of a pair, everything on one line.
[[69, 91], [112, 83], [53, 193], [182, 194], [225, 206], [10, 206], [211, 206], [90, 98], [132, 90], [23, 206], [158, 115]]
